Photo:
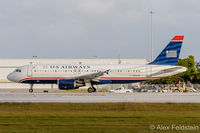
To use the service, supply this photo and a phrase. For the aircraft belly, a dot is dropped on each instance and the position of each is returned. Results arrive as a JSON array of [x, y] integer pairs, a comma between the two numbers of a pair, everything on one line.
[[40, 81]]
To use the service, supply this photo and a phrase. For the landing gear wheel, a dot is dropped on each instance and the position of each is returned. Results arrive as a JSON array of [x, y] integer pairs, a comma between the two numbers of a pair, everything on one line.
[[30, 90], [94, 89], [90, 90]]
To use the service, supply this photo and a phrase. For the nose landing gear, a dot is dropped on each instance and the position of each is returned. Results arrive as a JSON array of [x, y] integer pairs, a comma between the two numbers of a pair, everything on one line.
[[31, 89]]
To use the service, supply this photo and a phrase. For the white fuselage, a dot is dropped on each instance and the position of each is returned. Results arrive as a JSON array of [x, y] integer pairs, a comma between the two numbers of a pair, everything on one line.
[[50, 73]]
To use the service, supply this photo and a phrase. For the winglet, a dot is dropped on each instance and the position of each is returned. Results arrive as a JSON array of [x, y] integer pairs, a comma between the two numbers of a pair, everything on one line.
[[107, 71]]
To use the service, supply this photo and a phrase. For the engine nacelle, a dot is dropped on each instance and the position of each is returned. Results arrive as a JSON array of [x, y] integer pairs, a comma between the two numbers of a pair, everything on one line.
[[68, 84]]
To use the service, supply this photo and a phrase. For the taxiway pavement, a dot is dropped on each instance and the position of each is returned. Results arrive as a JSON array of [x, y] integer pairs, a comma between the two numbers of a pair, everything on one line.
[[101, 97]]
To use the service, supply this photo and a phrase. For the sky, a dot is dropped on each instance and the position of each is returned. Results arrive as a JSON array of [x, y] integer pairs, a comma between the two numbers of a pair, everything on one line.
[[96, 28]]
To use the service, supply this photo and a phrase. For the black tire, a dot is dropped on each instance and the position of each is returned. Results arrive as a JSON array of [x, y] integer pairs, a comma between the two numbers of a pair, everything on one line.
[[30, 90], [90, 90], [94, 89], [45, 91]]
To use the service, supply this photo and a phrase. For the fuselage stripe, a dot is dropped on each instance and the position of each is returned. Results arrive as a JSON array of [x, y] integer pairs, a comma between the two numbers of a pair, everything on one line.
[[110, 78]]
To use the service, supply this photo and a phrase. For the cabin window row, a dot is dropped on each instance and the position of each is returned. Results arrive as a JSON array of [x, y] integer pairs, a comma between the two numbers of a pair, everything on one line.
[[84, 71]]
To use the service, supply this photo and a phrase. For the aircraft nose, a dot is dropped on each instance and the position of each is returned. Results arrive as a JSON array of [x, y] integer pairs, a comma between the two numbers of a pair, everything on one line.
[[10, 77]]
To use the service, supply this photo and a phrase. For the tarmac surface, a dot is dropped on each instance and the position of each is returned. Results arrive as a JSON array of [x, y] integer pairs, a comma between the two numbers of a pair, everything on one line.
[[100, 97]]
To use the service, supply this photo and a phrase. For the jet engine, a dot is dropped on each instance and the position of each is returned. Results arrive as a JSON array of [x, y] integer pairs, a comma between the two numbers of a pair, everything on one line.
[[69, 84]]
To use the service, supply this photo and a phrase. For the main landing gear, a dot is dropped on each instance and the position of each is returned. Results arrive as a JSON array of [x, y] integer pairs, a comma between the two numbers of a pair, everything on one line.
[[91, 89], [31, 89]]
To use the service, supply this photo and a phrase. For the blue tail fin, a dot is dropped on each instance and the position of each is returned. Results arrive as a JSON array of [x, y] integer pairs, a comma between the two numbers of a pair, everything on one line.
[[170, 55]]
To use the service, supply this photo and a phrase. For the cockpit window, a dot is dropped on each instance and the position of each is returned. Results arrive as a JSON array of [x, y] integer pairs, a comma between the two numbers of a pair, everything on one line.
[[18, 70]]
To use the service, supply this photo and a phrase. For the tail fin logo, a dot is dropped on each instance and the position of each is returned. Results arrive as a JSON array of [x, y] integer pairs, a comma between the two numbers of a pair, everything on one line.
[[171, 54]]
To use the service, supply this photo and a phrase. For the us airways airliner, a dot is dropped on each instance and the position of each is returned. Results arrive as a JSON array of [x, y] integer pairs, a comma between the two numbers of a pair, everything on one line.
[[73, 76]]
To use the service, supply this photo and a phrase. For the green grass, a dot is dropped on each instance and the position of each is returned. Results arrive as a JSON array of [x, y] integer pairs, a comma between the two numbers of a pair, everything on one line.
[[95, 117]]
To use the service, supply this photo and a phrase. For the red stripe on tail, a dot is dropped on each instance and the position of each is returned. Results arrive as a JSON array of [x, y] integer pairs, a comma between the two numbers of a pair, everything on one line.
[[178, 38]]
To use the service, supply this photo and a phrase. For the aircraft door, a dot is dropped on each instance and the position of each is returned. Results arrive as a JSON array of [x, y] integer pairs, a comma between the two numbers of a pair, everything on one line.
[[30, 71], [148, 71]]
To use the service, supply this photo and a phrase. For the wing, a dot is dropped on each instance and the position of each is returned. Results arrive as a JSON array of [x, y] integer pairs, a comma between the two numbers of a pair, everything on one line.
[[90, 76]]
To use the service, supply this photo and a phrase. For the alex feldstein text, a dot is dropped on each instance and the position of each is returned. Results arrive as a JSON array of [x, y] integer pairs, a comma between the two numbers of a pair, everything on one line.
[[174, 127]]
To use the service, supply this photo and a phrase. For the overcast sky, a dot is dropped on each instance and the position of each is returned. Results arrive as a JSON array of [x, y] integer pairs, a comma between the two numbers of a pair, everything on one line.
[[103, 28]]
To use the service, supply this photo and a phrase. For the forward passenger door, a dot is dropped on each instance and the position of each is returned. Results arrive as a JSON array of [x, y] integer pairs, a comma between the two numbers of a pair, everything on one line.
[[30, 71]]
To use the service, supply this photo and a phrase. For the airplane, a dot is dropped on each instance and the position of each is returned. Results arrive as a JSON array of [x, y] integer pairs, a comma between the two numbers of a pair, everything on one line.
[[73, 76]]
